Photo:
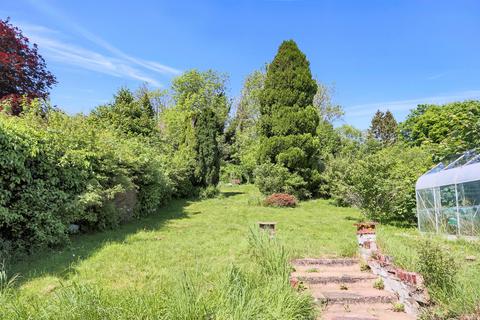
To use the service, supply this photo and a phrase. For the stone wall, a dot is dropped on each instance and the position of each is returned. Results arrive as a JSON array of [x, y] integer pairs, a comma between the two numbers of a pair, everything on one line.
[[125, 203], [408, 286]]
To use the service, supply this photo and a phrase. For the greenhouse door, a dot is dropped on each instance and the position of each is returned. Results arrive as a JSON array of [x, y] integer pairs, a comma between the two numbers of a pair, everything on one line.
[[426, 210], [448, 215]]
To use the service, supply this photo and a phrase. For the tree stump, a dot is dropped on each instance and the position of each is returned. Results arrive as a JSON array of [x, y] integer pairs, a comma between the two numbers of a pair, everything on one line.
[[268, 227]]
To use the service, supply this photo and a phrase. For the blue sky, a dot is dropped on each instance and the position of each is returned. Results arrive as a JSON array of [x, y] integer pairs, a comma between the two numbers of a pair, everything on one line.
[[377, 54]]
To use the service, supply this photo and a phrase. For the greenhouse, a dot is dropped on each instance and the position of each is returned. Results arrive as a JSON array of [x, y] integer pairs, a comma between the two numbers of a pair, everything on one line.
[[448, 197]]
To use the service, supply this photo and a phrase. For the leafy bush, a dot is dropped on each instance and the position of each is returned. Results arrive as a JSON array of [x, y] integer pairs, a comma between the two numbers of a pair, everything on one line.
[[274, 178], [209, 192], [281, 200], [378, 284], [437, 267], [398, 307], [382, 183], [270, 178]]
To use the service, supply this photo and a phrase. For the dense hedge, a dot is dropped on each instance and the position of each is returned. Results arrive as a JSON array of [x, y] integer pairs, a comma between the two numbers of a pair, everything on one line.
[[56, 170]]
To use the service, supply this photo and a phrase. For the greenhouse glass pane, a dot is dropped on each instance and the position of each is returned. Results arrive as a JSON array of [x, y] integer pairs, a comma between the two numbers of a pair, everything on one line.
[[469, 207], [462, 160], [426, 210], [437, 168], [475, 159], [447, 219]]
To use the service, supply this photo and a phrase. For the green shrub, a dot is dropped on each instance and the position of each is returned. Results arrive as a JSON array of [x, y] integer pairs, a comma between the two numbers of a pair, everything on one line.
[[274, 178], [398, 307], [378, 284], [270, 178], [209, 192], [179, 167], [382, 183], [437, 267]]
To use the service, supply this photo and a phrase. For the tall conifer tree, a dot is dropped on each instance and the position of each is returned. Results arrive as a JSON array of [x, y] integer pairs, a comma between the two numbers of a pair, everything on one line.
[[288, 120], [383, 127]]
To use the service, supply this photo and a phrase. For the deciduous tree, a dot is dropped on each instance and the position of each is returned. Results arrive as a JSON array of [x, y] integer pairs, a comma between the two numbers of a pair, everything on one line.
[[322, 101], [383, 127], [128, 115], [241, 137], [23, 70], [448, 129], [194, 125]]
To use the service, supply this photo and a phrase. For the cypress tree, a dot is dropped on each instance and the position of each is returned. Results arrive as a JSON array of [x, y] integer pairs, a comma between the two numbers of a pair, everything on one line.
[[207, 131], [288, 120], [202, 106]]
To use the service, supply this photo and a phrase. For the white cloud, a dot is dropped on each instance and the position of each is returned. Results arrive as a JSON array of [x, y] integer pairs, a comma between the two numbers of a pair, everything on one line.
[[150, 65], [60, 16], [54, 47], [437, 76], [405, 105]]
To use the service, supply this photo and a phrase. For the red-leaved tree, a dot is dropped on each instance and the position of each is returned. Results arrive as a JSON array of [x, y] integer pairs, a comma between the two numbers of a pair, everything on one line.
[[23, 71]]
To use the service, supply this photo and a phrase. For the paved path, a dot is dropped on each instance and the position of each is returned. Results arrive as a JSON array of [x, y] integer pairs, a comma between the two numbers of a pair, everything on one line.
[[346, 292]]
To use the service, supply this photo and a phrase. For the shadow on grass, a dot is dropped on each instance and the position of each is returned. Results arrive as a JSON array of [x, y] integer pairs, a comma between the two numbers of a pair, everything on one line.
[[62, 262], [355, 219], [228, 194]]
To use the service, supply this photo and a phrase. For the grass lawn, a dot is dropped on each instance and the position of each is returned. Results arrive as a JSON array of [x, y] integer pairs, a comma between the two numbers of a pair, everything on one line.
[[189, 236], [195, 237], [203, 240]]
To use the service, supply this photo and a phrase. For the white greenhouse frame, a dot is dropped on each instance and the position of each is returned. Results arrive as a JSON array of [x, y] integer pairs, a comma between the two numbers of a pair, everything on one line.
[[448, 197]]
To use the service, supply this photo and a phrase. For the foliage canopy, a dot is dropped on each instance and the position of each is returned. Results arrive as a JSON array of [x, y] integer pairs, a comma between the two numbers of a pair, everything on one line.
[[23, 70]]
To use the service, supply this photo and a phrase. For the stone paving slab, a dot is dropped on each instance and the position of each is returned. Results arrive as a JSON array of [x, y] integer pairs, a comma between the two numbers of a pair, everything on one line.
[[325, 261], [371, 311]]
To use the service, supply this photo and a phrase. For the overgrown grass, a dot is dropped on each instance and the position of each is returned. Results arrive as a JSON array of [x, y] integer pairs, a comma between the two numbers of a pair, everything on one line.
[[192, 261], [405, 245], [261, 291], [200, 260]]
